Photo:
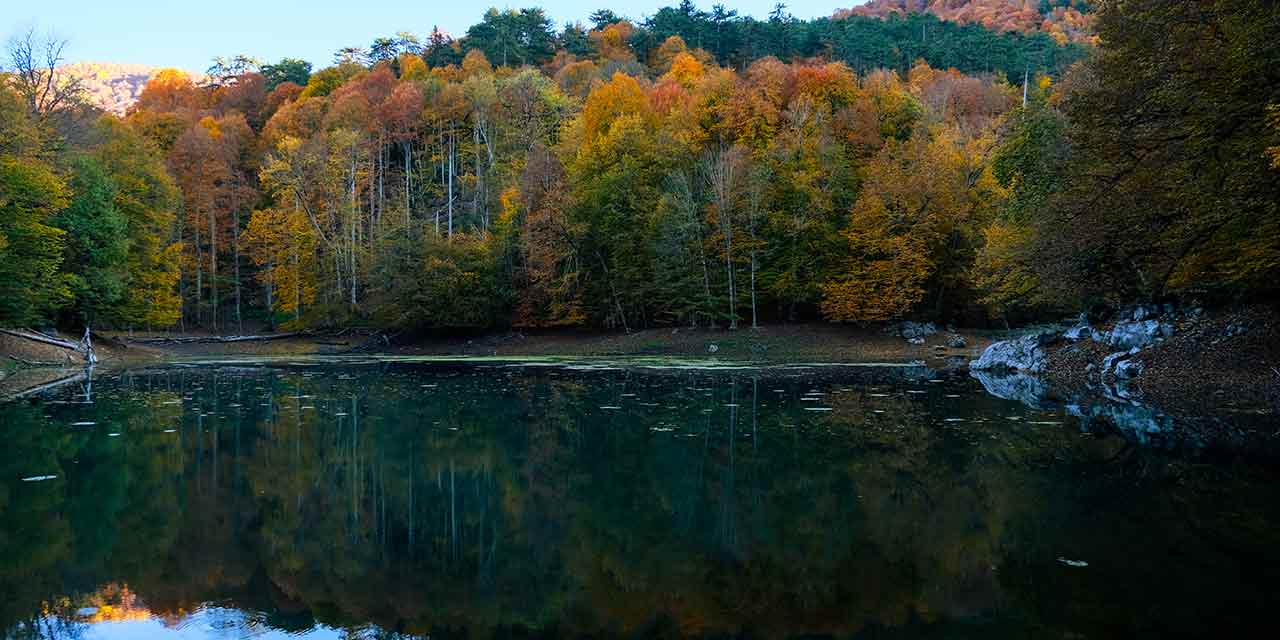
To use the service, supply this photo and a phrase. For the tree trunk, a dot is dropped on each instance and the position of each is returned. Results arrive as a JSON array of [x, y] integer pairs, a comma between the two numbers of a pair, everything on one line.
[[235, 242], [450, 203], [408, 183], [213, 269]]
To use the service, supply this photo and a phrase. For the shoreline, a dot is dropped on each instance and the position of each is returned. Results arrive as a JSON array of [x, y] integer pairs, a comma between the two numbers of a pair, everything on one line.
[[1225, 362]]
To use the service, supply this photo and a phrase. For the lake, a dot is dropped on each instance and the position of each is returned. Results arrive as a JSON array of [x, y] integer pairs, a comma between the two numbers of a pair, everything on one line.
[[403, 499]]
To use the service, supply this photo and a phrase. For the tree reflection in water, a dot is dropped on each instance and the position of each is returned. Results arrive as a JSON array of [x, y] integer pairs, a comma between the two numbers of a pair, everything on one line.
[[399, 500]]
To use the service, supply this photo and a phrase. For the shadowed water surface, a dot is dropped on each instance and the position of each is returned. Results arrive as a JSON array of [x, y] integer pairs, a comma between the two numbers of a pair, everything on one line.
[[491, 499]]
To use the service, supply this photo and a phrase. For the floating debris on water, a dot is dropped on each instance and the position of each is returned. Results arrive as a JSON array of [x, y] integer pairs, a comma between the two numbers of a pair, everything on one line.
[[38, 478], [83, 424], [1073, 563]]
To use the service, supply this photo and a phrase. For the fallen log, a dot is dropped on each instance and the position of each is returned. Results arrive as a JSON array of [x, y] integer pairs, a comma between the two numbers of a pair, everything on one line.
[[40, 337], [37, 363], [213, 339], [76, 377]]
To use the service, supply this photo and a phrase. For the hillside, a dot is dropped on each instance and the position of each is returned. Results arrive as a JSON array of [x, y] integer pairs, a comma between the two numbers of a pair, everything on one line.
[[111, 86], [1062, 19]]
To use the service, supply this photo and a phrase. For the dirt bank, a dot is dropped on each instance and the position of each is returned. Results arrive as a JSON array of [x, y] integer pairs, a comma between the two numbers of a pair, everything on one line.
[[790, 343], [1222, 361]]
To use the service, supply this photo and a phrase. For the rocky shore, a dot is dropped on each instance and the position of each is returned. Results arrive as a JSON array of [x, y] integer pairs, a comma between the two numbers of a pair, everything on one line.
[[1155, 372]]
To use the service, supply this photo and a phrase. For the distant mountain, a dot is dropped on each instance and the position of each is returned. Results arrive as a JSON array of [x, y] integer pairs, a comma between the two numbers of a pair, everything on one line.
[[1064, 20], [111, 86]]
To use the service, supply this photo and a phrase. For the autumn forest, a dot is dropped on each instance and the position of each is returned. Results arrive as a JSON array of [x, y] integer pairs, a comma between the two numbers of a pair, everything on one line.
[[691, 168]]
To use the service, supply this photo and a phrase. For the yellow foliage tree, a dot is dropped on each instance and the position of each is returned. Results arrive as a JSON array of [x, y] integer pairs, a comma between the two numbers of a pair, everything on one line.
[[685, 69], [283, 245], [621, 96], [921, 201], [1003, 271]]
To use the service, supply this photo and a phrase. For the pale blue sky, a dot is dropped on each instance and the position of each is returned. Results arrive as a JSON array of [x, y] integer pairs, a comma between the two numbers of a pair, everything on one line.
[[184, 34]]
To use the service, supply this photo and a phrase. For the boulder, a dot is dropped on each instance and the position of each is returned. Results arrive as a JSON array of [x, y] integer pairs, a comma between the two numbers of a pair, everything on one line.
[[1080, 330], [956, 341], [1133, 421], [1139, 333], [1014, 386], [1128, 369], [1021, 354], [916, 340], [1145, 312], [908, 329], [1111, 361]]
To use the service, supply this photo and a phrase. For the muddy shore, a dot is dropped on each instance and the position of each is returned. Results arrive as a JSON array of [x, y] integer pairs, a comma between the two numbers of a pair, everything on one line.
[[1220, 362]]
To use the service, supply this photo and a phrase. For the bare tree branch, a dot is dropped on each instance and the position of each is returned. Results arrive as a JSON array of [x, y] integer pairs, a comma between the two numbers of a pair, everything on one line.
[[36, 76]]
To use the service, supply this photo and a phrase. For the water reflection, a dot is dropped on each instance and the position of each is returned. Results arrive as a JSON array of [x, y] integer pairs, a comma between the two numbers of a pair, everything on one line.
[[398, 500]]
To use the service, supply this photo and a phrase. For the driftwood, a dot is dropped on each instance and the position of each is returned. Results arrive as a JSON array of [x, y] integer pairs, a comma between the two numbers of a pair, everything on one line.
[[40, 337], [76, 377], [213, 339], [84, 347], [36, 363]]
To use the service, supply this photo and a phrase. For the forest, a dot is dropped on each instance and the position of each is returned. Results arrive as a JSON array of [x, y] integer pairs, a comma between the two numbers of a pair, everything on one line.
[[694, 168]]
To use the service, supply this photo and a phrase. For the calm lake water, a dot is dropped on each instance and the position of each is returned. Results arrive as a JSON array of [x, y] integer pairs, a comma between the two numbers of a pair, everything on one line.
[[400, 499]]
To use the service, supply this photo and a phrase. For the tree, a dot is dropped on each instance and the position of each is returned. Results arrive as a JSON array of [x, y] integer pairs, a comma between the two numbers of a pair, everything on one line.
[[224, 70], [36, 76], [283, 245], [514, 37], [146, 198], [726, 170], [920, 205], [97, 242], [574, 40], [287, 70], [31, 193], [1171, 191]]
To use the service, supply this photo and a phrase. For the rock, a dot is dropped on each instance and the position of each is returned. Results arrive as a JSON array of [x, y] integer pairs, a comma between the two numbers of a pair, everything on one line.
[[1112, 359], [1235, 329], [1014, 386], [1128, 369], [908, 329], [1021, 354], [1145, 311], [916, 340], [1134, 421], [1140, 333], [1080, 330], [956, 341]]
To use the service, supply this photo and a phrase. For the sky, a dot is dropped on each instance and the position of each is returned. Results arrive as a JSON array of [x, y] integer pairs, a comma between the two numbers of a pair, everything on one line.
[[175, 33]]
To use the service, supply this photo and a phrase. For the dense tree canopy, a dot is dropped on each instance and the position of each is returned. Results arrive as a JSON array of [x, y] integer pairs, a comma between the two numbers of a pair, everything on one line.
[[696, 167]]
